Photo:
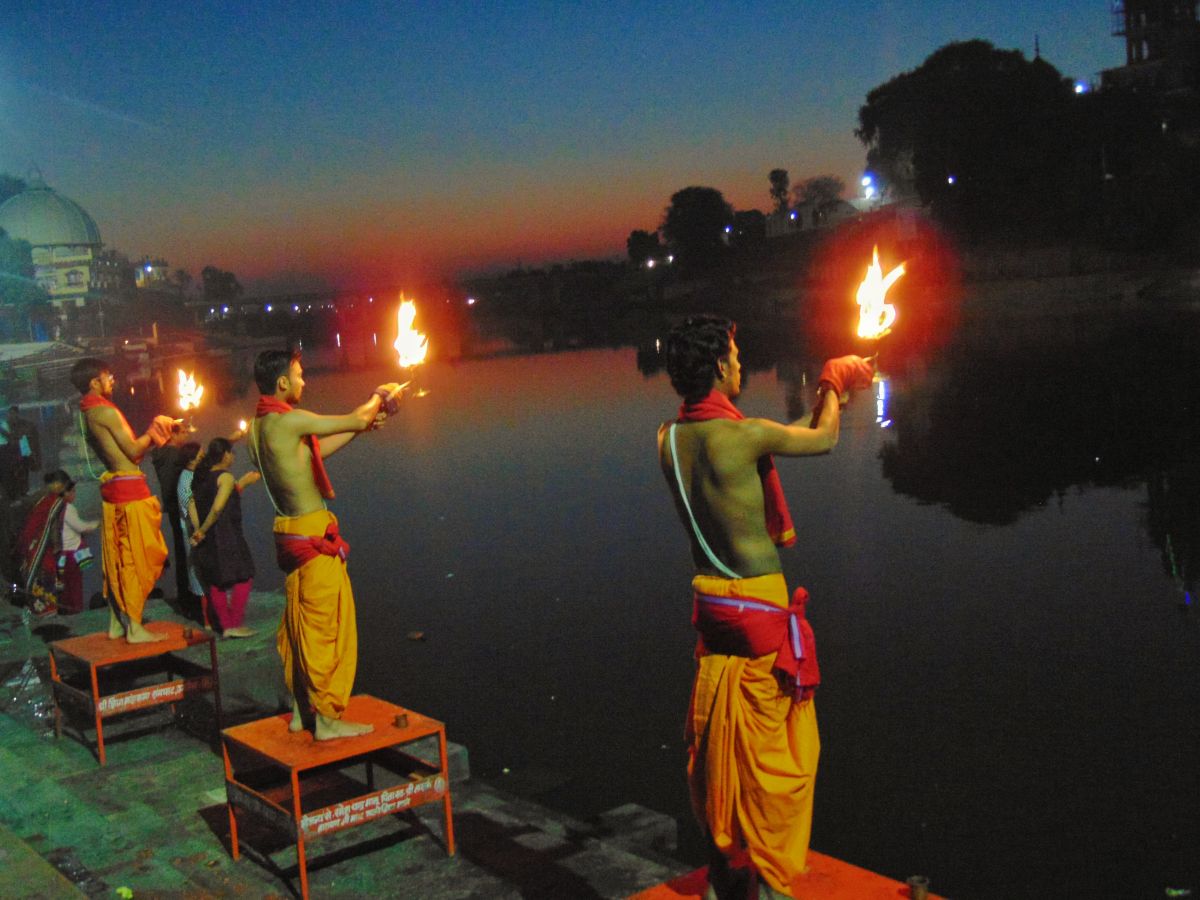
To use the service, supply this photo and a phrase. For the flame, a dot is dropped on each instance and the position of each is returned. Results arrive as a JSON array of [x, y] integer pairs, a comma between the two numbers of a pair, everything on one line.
[[189, 391], [410, 343], [243, 427], [875, 316]]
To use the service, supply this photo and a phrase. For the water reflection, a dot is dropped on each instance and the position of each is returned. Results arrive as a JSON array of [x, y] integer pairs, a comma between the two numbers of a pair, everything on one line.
[[992, 431]]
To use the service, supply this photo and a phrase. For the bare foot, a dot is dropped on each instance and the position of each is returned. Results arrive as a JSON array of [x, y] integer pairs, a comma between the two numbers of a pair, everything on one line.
[[331, 729], [297, 723], [240, 631], [140, 634], [115, 628]]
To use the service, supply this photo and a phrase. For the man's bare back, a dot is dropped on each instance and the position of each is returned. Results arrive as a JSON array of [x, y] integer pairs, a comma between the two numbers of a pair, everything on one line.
[[725, 494], [718, 464]]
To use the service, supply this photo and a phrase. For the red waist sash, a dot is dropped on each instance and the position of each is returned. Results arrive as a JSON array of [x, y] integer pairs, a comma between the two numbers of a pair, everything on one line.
[[125, 489], [736, 626], [294, 550]]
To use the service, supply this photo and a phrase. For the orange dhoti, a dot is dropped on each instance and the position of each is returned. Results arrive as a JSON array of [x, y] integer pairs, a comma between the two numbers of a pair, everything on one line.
[[753, 750], [132, 549], [318, 638]]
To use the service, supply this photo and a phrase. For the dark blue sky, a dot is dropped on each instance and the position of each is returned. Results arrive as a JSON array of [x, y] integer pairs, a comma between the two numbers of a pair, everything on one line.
[[378, 142]]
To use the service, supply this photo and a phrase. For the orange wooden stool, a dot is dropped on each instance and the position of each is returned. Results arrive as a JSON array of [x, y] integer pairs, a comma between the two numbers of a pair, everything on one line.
[[297, 784], [827, 879], [95, 652]]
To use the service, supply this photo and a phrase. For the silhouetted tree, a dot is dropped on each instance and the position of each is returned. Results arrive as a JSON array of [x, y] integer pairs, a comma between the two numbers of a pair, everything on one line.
[[982, 135], [779, 188], [219, 286], [643, 245], [695, 224], [17, 286], [820, 190], [10, 185]]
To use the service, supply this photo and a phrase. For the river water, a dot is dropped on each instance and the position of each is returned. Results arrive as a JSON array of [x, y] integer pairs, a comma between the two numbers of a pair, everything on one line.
[[999, 552]]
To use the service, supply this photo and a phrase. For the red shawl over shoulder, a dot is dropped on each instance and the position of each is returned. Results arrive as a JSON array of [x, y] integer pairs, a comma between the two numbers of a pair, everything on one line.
[[88, 401], [267, 405], [40, 541]]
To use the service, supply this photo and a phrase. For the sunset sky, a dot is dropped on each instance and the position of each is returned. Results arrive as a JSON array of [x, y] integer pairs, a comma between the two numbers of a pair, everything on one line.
[[302, 143]]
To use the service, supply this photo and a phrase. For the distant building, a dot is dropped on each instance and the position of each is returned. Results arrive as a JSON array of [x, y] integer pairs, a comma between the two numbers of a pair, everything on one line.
[[1162, 47], [780, 223], [64, 239], [152, 273], [112, 274], [810, 215]]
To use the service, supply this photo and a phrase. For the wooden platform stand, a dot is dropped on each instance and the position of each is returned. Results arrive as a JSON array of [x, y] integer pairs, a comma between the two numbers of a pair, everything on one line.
[[97, 652], [827, 879], [298, 784]]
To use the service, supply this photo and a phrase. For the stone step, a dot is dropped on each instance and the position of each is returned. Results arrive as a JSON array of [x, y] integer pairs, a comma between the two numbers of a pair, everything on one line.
[[25, 873], [154, 819]]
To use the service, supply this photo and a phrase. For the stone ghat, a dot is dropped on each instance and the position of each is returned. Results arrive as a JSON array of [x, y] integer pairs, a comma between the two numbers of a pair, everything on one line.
[[154, 819]]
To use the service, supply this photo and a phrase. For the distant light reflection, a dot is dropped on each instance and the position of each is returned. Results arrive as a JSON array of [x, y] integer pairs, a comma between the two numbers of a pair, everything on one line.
[[881, 403]]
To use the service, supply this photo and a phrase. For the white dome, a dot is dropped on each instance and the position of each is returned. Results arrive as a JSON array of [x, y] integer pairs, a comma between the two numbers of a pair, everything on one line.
[[47, 219]]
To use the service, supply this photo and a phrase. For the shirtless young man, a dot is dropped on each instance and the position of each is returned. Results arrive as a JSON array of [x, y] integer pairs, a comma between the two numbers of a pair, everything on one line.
[[317, 639], [752, 728], [133, 550]]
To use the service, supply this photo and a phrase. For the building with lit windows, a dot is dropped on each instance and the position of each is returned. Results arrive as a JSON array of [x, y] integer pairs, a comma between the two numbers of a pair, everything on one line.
[[152, 273]]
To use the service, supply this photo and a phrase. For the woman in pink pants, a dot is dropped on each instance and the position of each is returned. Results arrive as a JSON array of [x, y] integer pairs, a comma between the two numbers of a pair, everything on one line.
[[222, 555]]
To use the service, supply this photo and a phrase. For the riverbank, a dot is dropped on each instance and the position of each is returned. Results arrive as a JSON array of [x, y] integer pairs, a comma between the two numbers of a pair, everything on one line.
[[154, 820]]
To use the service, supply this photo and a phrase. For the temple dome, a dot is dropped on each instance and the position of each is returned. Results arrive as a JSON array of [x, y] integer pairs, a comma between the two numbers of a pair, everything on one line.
[[45, 218]]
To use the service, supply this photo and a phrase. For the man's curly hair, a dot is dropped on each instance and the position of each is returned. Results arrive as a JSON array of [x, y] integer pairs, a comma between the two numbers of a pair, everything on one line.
[[694, 349]]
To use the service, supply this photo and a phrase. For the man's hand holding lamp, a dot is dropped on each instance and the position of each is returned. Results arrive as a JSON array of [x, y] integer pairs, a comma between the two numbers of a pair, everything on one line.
[[844, 373], [389, 397]]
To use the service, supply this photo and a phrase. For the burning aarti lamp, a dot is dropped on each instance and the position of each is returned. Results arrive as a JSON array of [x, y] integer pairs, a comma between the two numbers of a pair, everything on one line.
[[875, 315], [875, 319], [189, 397], [411, 345]]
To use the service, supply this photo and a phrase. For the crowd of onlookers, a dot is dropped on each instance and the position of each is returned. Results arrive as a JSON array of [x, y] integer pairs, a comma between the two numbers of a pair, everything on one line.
[[20, 454], [45, 538], [201, 502]]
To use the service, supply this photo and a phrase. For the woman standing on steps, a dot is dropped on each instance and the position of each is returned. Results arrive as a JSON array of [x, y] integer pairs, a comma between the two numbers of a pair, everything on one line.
[[223, 557]]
